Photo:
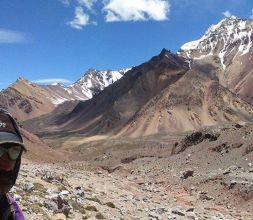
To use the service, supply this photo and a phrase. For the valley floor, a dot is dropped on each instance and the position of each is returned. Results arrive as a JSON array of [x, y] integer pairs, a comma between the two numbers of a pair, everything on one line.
[[199, 175]]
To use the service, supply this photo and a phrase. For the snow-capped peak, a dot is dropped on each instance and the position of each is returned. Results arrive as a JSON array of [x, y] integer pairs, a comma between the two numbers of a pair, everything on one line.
[[94, 80], [220, 39]]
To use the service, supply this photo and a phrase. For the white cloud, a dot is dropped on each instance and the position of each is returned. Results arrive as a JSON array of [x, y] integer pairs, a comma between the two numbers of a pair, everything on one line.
[[81, 19], [9, 36], [52, 81], [134, 10], [87, 3], [227, 14]]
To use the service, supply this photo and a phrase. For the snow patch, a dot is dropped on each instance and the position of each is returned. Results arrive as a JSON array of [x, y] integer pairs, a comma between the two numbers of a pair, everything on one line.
[[221, 56]]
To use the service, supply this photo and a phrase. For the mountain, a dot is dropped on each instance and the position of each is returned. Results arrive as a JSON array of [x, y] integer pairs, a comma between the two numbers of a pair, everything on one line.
[[160, 96], [109, 110], [194, 101], [225, 51], [26, 100]]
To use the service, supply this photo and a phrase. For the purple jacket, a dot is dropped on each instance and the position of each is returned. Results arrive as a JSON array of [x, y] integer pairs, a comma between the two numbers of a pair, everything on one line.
[[13, 211]]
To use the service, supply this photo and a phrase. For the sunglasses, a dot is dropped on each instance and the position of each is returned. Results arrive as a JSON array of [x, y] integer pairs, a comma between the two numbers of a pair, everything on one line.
[[13, 150]]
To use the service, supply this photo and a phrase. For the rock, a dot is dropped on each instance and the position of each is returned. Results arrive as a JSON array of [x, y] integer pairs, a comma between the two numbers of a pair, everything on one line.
[[178, 211], [232, 184], [187, 174], [160, 211], [79, 191], [50, 205], [204, 196], [28, 187], [64, 193], [193, 139], [17, 197], [190, 210], [172, 217], [190, 215], [231, 169], [192, 188], [58, 216], [63, 206]]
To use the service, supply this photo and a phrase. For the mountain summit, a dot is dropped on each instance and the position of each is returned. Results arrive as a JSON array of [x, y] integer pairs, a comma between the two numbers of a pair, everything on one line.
[[231, 37], [225, 50]]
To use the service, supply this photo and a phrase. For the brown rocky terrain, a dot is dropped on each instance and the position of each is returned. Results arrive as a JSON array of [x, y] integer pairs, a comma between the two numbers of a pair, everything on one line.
[[26, 100], [205, 174], [39, 151], [174, 110]]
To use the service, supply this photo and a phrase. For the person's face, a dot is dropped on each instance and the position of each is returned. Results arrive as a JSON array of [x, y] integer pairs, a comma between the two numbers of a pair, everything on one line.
[[6, 167]]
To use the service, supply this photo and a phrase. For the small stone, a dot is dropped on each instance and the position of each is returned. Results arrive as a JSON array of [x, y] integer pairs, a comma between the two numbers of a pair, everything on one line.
[[59, 216], [50, 205], [187, 174], [64, 193], [17, 197], [192, 188], [28, 187], [79, 191], [161, 211], [178, 211], [190, 210], [191, 215]]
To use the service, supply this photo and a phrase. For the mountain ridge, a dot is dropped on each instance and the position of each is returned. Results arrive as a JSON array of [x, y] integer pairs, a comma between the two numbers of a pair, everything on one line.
[[26, 99]]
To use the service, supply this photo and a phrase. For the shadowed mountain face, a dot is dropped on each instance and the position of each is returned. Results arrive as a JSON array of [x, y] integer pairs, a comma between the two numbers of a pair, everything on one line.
[[117, 104], [112, 109]]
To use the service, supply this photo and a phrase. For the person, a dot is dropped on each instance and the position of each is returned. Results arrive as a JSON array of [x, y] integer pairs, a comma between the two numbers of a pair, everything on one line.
[[11, 149]]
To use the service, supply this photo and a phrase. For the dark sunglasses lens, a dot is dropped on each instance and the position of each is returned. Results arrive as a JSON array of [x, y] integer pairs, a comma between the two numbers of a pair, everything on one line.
[[14, 152]]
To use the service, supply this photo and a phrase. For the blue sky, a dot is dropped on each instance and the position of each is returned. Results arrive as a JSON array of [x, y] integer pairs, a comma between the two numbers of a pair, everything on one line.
[[61, 39]]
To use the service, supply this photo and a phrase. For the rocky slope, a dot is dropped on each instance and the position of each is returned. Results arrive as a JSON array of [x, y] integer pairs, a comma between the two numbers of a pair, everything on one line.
[[26, 100], [225, 50], [205, 174], [118, 103], [174, 110]]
